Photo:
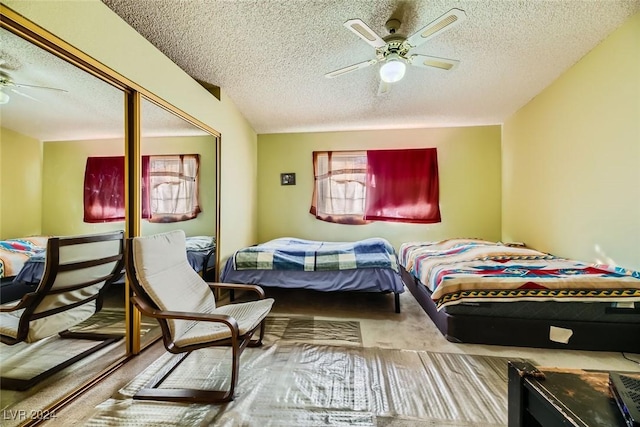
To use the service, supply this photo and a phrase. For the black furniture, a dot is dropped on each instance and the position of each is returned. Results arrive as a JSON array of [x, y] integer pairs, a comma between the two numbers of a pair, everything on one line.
[[528, 325], [554, 397]]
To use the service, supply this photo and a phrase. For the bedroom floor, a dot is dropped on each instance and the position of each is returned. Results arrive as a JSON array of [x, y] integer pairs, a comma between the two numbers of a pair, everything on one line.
[[380, 327]]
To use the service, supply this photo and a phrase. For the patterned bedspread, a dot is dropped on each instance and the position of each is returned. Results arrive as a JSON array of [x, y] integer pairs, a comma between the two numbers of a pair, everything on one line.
[[309, 255], [15, 252], [465, 270]]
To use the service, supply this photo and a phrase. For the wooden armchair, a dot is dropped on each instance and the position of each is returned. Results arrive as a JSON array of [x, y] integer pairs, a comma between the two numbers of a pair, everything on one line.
[[78, 270], [167, 288]]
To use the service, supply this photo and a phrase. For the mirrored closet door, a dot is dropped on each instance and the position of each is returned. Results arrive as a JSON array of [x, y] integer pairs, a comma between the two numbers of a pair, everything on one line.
[[57, 119], [54, 117], [179, 189]]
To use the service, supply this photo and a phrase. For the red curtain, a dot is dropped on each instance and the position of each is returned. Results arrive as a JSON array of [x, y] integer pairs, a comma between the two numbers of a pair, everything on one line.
[[104, 189], [402, 185], [145, 188]]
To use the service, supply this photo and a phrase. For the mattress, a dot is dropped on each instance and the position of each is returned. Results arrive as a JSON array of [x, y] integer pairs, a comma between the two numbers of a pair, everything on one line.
[[550, 310], [365, 279], [474, 271], [595, 325], [32, 271]]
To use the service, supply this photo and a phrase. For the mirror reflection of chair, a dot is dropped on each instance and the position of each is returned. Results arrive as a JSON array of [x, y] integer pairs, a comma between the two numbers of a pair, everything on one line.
[[78, 272], [167, 288]]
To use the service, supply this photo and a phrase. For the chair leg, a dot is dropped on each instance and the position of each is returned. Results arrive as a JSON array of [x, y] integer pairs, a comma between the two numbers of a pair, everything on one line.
[[235, 367], [258, 342], [150, 391]]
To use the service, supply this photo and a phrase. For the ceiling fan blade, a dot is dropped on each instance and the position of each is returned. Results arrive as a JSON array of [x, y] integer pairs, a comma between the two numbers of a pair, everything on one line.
[[36, 87], [25, 95], [433, 62], [350, 68], [363, 31], [445, 22], [384, 88]]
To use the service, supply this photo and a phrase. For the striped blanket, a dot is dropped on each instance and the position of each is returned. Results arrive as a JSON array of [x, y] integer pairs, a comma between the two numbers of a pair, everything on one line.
[[15, 252], [466, 270], [308, 255]]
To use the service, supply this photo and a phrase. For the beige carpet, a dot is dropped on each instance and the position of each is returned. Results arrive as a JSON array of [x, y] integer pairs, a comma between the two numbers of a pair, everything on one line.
[[299, 381]]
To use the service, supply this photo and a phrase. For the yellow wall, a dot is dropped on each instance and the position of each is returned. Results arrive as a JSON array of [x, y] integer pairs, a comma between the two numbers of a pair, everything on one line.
[[93, 28], [571, 158], [469, 167], [21, 179], [63, 173], [586, 208], [63, 185]]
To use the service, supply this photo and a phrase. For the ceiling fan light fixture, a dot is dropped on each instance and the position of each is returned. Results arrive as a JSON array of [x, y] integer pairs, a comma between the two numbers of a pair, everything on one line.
[[4, 98], [393, 69]]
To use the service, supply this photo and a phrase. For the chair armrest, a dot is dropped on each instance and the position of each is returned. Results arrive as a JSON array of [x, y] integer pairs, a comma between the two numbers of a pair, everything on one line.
[[255, 288], [17, 305], [184, 315]]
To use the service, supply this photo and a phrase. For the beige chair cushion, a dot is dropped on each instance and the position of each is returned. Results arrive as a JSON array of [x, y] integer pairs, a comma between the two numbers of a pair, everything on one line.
[[247, 314], [165, 274], [47, 326]]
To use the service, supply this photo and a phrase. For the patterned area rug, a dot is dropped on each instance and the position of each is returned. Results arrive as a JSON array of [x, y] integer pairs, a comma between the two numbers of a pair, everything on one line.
[[310, 330], [293, 383]]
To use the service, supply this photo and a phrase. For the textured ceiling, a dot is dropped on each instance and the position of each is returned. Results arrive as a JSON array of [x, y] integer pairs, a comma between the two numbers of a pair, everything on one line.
[[86, 108], [48, 114], [270, 56]]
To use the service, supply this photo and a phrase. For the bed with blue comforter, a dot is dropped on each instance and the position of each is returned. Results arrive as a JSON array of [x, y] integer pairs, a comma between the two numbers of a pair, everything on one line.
[[368, 265]]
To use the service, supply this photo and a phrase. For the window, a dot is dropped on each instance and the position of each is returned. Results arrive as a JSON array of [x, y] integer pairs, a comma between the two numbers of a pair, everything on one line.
[[339, 191], [173, 188], [355, 187], [169, 188]]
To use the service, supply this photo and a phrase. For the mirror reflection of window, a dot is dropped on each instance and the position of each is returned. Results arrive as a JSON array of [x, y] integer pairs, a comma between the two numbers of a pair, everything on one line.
[[54, 116], [173, 184], [182, 173], [181, 183]]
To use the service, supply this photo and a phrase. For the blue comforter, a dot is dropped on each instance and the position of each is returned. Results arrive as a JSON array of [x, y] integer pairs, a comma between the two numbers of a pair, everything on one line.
[[308, 255]]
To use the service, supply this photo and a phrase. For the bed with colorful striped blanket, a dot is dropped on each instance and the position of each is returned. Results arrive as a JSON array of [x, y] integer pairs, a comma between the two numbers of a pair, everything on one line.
[[487, 292], [15, 252]]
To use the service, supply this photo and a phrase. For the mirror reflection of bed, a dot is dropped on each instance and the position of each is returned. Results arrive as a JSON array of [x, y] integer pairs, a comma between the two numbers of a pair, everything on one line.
[[48, 135]]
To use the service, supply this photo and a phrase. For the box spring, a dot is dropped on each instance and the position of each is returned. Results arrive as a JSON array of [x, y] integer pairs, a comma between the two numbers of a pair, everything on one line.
[[596, 327]]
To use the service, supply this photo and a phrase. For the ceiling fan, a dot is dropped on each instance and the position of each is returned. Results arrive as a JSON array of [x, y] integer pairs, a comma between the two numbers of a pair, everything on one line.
[[393, 51], [7, 83]]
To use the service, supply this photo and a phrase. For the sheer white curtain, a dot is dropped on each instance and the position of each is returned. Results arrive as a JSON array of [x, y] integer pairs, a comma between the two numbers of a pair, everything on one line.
[[173, 187], [340, 186]]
